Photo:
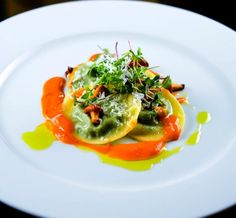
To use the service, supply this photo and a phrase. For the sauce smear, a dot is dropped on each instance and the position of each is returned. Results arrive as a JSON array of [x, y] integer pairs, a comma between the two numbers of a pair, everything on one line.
[[142, 164]]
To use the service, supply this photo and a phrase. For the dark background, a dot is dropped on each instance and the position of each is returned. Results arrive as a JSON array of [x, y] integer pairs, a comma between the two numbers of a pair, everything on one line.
[[221, 11]]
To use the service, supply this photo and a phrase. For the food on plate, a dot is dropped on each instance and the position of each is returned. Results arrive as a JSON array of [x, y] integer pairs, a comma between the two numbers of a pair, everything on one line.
[[151, 120], [109, 97]]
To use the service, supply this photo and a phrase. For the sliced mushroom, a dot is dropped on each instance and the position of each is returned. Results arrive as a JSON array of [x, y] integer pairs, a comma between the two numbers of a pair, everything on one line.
[[140, 62], [160, 111], [78, 93], [176, 87], [94, 111], [100, 89], [69, 70]]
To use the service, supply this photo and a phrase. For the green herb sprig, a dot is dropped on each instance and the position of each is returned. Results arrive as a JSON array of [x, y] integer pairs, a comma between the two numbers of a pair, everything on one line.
[[124, 74]]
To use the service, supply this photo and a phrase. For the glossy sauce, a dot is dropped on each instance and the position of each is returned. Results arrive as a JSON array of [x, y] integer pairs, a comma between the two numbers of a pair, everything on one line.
[[202, 117], [142, 164], [40, 139], [63, 129]]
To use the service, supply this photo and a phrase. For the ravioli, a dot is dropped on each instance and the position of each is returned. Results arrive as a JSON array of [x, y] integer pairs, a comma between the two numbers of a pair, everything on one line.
[[109, 97], [119, 112], [150, 131], [120, 117]]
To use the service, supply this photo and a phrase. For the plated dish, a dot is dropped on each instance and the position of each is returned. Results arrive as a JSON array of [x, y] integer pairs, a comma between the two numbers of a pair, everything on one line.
[[109, 97], [62, 179]]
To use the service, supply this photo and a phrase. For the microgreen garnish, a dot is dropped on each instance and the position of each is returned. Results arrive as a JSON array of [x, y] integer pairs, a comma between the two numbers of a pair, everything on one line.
[[167, 82], [127, 73], [116, 48]]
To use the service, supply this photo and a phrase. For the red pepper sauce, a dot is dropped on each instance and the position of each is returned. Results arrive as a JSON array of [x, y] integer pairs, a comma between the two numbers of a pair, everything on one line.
[[94, 57], [182, 100], [63, 128]]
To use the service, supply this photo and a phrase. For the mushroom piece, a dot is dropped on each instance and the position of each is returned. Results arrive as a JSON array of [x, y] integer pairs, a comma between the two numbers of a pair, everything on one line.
[[100, 89], [94, 111], [69, 70], [140, 62], [176, 87], [160, 111]]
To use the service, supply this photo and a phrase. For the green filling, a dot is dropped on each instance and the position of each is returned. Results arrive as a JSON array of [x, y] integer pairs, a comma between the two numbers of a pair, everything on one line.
[[148, 117], [107, 125], [82, 78], [115, 114]]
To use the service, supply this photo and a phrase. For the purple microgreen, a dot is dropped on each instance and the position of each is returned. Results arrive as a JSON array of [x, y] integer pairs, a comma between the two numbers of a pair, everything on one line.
[[117, 55], [130, 48]]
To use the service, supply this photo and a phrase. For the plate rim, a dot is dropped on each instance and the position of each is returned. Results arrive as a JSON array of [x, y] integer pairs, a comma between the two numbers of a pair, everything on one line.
[[70, 3]]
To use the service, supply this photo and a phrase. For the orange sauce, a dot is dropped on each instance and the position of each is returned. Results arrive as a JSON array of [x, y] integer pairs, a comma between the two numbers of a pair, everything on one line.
[[171, 127], [182, 100], [94, 57], [63, 128]]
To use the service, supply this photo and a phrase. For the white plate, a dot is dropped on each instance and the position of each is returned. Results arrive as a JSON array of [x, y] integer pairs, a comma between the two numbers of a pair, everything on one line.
[[64, 181]]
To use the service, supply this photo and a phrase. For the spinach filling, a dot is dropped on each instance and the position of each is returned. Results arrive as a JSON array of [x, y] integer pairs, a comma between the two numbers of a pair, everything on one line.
[[148, 117], [116, 113]]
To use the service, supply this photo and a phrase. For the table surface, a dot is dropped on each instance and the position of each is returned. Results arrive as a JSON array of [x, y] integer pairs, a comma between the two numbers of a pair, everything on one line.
[[219, 11]]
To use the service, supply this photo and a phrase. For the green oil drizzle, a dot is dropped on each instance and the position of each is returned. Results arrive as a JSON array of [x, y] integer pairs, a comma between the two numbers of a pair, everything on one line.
[[141, 165], [41, 138], [194, 137], [202, 118]]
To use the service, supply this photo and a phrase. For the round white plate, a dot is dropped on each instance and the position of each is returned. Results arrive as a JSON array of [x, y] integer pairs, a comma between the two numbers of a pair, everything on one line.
[[63, 181]]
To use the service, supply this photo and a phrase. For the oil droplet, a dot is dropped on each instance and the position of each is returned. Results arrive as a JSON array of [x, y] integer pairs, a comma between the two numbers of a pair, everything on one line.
[[194, 138], [203, 117], [141, 165], [41, 138]]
